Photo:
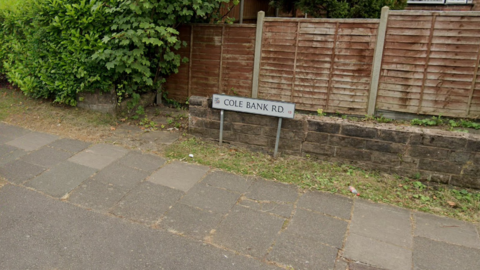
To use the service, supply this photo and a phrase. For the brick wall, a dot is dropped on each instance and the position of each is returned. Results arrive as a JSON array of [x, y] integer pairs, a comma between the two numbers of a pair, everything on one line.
[[436, 155]]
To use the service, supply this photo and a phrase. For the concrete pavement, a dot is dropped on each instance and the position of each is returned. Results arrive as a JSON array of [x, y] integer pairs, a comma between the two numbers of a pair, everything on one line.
[[67, 204]]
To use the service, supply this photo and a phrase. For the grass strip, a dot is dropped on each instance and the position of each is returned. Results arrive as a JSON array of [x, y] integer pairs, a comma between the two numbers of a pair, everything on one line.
[[463, 204]]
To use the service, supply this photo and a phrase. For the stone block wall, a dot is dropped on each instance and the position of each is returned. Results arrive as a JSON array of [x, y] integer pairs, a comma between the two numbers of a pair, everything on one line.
[[98, 101], [435, 155], [107, 102]]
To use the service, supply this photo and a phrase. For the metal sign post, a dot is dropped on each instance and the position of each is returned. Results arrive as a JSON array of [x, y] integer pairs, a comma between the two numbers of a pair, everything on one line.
[[221, 128], [255, 106], [278, 137]]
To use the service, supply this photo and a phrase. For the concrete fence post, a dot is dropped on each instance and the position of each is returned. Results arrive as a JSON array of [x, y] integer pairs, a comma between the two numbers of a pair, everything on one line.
[[377, 62], [242, 4], [258, 53]]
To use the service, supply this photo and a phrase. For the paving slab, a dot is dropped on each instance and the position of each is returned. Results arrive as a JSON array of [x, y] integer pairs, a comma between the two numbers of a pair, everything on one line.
[[6, 149], [385, 223], [446, 229], [46, 157], [10, 153], [179, 175], [147, 202], [327, 203], [248, 231], [99, 156], [434, 255], [302, 253], [281, 209], [210, 198], [320, 227], [228, 181], [58, 235], [10, 131], [4, 139], [61, 179], [145, 162], [69, 145], [378, 254], [120, 176], [264, 190], [340, 264], [32, 141], [96, 195], [191, 221], [19, 172]]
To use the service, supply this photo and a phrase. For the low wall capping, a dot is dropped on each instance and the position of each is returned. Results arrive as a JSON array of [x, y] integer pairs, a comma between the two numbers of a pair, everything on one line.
[[431, 154]]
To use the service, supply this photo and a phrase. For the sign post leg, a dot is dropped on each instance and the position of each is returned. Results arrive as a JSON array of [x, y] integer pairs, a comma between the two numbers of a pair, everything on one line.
[[221, 128], [278, 136]]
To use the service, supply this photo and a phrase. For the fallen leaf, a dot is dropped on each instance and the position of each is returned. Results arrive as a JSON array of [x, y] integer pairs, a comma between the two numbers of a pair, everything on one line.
[[400, 185], [452, 204]]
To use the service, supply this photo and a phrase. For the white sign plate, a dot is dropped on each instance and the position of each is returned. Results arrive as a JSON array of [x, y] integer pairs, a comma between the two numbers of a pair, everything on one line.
[[255, 106]]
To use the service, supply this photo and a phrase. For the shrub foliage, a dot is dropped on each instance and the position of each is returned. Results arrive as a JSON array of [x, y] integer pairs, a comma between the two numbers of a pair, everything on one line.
[[58, 48]]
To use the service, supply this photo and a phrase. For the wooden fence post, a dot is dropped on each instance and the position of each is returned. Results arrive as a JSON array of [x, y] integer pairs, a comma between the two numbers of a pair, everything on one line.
[[377, 61], [258, 53], [242, 4]]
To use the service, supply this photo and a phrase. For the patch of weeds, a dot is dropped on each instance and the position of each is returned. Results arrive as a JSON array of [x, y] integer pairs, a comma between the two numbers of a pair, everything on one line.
[[381, 119], [139, 112], [321, 113], [310, 174], [232, 91], [434, 121], [148, 124], [451, 124], [172, 102]]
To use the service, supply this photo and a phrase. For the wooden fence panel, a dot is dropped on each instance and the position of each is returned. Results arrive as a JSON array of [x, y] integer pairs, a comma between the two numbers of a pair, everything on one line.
[[318, 64], [430, 64], [220, 61]]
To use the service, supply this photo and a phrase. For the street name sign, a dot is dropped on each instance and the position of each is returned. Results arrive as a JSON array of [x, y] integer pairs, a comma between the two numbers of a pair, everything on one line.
[[255, 106]]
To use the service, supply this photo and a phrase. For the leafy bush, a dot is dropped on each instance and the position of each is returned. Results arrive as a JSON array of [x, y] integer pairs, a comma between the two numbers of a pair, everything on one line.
[[143, 40], [58, 48], [51, 45]]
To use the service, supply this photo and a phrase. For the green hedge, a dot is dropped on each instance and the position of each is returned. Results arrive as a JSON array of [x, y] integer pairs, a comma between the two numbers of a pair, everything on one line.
[[58, 48]]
